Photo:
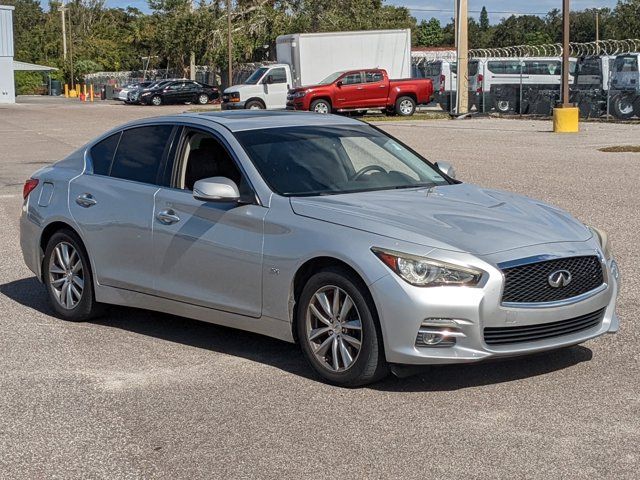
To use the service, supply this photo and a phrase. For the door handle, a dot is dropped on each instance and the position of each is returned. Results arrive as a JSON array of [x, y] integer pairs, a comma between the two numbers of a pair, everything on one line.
[[86, 200], [382, 86], [168, 217]]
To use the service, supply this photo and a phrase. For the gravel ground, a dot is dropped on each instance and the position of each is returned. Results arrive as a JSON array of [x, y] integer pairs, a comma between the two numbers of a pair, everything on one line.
[[138, 394]]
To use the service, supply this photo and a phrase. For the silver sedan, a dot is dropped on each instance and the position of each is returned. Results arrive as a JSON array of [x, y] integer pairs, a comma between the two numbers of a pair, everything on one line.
[[315, 229]]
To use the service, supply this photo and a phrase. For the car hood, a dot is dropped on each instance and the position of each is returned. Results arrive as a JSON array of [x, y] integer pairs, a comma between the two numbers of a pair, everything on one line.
[[240, 87], [459, 217]]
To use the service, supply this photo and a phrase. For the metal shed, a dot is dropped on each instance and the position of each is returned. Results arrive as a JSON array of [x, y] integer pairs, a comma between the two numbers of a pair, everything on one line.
[[7, 89]]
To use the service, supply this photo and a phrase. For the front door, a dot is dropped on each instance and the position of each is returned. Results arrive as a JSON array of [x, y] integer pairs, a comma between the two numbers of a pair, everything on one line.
[[208, 254], [276, 88], [113, 205], [351, 92]]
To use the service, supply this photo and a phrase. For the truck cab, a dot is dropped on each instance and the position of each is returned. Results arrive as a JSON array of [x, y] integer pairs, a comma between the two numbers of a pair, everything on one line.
[[266, 88], [625, 86]]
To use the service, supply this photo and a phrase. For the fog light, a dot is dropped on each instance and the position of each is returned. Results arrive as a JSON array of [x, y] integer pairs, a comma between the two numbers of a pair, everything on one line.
[[431, 338], [439, 332]]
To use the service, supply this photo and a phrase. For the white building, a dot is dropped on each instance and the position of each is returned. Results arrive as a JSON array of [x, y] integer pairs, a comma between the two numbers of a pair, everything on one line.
[[7, 89]]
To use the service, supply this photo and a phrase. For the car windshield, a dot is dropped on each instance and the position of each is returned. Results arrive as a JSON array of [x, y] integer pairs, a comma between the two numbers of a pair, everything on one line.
[[306, 161], [331, 78], [255, 77]]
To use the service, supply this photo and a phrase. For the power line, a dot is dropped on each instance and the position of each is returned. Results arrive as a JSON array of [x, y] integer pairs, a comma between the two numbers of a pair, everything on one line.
[[442, 10]]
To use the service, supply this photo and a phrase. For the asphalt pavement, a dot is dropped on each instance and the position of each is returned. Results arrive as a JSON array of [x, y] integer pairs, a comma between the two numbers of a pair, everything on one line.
[[139, 394]]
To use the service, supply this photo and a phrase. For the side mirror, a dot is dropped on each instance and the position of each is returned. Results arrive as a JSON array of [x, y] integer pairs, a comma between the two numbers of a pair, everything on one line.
[[216, 189], [447, 169], [267, 80], [339, 83]]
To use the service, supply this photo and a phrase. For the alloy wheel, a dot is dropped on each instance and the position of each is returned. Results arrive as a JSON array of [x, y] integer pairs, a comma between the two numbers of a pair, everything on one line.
[[406, 107], [66, 275], [157, 101], [321, 107], [203, 99], [334, 328], [503, 105]]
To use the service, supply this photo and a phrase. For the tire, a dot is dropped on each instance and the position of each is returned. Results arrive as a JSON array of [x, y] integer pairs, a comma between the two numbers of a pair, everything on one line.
[[254, 105], [320, 106], [203, 99], [623, 106], [77, 303], [405, 106], [156, 100], [367, 363], [503, 105]]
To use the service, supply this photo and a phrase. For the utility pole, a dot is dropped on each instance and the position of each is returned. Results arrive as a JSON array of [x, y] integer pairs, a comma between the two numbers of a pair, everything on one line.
[[565, 54], [597, 32], [63, 10], [229, 46], [192, 58], [71, 51], [462, 36]]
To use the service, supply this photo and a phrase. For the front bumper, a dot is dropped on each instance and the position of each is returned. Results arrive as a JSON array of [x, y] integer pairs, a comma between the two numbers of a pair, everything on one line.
[[403, 308], [232, 105]]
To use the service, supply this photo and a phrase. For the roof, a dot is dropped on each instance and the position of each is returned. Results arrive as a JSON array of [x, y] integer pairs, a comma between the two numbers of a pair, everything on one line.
[[31, 67], [239, 120]]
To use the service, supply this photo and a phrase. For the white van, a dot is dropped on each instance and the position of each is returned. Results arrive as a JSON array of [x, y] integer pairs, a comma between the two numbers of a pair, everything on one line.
[[444, 75], [625, 86]]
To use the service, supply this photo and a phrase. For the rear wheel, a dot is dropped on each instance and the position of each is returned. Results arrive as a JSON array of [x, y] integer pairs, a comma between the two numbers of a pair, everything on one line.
[[254, 105], [67, 276], [156, 100], [623, 106], [203, 99], [320, 106], [405, 106], [338, 330], [504, 105]]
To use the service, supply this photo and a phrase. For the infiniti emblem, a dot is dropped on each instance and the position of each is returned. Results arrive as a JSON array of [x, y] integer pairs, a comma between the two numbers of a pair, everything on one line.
[[559, 278]]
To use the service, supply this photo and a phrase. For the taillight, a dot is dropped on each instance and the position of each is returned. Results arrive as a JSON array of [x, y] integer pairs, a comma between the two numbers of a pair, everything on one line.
[[442, 80], [480, 79], [29, 185]]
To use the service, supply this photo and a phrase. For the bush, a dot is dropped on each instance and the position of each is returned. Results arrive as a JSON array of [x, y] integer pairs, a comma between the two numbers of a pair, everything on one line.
[[30, 83]]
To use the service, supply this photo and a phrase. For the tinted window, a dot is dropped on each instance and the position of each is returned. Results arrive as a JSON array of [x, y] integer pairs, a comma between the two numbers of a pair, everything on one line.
[[140, 153], [278, 75], [590, 66], [626, 64], [352, 78], [505, 67], [332, 160], [372, 77], [432, 69], [102, 154], [473, 68], [542, 67]]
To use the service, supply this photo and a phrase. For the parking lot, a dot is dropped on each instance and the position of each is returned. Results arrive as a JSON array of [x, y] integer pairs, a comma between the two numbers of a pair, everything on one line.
[[139, 394]]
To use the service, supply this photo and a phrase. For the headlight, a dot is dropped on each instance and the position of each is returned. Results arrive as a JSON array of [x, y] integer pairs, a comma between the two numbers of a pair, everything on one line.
[[603, 239], [425, 272], [300, 94], [232, 96]]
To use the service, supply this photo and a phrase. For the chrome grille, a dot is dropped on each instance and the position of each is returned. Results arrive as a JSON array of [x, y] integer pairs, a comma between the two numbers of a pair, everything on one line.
[[530, 283], [532, 333]]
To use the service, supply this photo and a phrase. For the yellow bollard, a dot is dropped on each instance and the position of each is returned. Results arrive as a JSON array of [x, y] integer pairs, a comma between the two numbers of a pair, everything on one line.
[[91, 91], [566, 120], [73, 93], [84, 92], [66, 91]]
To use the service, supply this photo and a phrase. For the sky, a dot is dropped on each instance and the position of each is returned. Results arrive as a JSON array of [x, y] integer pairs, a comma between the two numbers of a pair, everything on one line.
[[443, 9]]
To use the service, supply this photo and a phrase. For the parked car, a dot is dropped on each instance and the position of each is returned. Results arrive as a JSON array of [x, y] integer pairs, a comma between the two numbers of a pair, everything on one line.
[[134, 94], [316, 229], [361, 90], [125, 94], [307, 58], [625, 86], [179, 91]]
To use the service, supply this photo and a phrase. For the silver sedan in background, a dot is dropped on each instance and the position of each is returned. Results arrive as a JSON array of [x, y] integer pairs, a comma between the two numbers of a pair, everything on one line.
[[315, 229]]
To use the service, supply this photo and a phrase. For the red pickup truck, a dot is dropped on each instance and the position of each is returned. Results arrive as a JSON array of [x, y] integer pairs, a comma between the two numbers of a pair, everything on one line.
[[358, 90]]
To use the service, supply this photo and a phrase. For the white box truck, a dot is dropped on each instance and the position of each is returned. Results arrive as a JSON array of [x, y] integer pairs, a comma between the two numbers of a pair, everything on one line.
[[308, 58]]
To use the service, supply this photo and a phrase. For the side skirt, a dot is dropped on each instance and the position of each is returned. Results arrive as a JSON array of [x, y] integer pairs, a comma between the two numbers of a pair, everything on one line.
[[268, 326]]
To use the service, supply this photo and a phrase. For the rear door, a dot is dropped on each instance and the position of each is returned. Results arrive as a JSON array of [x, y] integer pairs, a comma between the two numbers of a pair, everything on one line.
[[174, 92], [113, 204], [207, 253], [376, 88]]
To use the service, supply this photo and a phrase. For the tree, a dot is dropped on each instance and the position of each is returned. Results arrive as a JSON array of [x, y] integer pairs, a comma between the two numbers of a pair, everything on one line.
[[626, 19], [484, 19], [429, 34]]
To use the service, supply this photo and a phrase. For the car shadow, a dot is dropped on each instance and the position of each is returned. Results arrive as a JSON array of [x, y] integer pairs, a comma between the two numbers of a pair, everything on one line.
[[287, 357]]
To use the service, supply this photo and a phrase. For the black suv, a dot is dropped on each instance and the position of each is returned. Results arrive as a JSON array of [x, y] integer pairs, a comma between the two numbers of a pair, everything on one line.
[[179, 91]]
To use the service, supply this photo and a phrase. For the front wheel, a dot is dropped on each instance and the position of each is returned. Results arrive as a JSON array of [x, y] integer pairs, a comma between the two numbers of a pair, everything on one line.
[[203, 99], [623, 107], [405, 106], [338, 331], [320, 106], [67, 276], [254, 105]]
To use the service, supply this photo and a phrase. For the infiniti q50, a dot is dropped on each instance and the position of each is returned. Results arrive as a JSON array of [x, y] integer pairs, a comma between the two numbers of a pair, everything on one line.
[[314, 229]]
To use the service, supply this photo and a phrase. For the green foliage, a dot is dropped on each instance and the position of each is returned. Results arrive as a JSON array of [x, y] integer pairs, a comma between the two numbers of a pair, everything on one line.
[[29, 83], [484, 19], [429, 33]]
